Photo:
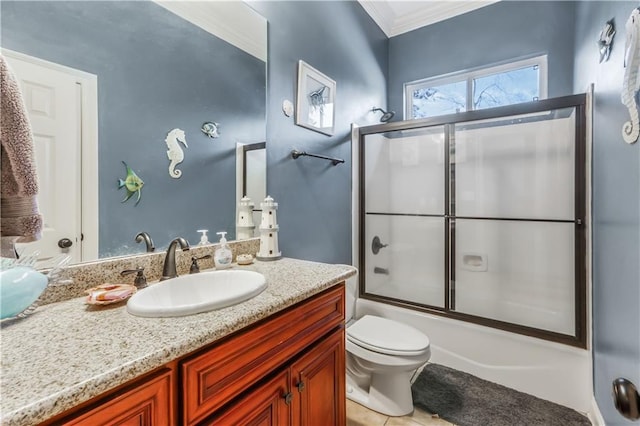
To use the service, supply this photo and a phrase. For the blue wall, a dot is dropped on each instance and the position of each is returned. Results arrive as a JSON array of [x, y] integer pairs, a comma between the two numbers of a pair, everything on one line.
[[492, 34], [616, 207], [340, 40], [156, 72]]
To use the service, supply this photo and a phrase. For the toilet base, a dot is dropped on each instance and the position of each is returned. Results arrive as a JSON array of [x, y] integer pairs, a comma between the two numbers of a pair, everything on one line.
[[389, 394]]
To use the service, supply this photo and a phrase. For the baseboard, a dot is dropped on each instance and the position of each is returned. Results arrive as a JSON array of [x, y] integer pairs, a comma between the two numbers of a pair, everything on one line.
[[594, 414]]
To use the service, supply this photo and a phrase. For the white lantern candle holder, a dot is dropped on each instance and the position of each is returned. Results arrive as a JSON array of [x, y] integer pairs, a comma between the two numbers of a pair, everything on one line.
[[269, 231], [245, 227]]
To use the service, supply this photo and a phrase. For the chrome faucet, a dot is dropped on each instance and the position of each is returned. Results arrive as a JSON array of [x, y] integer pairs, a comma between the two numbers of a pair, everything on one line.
[[169, 269]]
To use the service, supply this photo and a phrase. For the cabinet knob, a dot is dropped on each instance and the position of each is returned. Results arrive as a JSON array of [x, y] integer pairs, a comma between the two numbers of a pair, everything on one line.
[[300, 386], [287, 397]]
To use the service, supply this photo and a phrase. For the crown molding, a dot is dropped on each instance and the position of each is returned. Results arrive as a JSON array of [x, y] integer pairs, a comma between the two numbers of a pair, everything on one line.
[[428, 12], [437, 11], [233, 21], [381, 13]]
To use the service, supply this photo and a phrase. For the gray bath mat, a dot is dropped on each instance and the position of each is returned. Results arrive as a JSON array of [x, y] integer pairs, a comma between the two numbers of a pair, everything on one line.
[[467, 400]]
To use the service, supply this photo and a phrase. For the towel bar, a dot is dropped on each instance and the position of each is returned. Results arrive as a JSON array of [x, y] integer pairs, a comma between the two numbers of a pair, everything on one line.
[[335, 161]]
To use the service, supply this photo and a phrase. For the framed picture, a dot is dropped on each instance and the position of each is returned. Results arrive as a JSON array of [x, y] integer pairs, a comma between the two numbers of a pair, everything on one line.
[[315, 104]]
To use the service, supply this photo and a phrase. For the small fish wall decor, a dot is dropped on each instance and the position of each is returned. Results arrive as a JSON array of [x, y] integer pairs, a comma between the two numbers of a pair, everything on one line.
[[606, 40], [131, 183], [174, 151], [210, 128]]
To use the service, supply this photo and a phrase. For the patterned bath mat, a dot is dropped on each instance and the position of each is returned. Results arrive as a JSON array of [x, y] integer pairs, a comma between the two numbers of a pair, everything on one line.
[[467, 400]]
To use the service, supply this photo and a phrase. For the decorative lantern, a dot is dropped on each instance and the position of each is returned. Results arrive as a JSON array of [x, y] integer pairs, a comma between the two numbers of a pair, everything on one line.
[[269, 231], [244, 226]]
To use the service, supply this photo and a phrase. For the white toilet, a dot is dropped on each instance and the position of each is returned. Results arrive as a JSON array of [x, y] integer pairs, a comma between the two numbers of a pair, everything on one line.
[[382, 356]]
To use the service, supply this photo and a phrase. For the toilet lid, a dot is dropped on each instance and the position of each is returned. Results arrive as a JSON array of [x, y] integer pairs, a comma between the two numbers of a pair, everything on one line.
[[387, 336]]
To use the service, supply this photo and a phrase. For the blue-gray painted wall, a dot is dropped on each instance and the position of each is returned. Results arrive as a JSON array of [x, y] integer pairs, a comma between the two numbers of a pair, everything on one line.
[[156, 72], [486, 36], [616, 207], [342, 41]]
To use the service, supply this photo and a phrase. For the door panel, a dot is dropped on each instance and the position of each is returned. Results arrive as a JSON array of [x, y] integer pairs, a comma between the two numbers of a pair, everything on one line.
[[52, 100]]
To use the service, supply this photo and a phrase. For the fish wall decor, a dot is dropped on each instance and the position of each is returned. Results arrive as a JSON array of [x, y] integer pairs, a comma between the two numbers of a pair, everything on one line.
[[210, 128], [132, 184], [174, 151], [631, 82]]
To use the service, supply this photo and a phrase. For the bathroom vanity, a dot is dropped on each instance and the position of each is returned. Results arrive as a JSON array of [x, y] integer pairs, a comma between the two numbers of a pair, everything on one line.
[[278, 358]]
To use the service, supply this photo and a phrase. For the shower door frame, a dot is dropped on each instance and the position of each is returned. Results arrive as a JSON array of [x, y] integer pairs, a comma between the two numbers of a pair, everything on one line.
[[579, 102]]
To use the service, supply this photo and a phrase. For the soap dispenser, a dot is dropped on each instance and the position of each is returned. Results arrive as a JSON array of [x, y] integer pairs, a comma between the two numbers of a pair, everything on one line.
[[222, 256], [203, 236]]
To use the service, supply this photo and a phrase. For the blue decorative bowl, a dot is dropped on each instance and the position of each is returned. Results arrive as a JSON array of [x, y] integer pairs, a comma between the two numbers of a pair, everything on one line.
[[19, 288]]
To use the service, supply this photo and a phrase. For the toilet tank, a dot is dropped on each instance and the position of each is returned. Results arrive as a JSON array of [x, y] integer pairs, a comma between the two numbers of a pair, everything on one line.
[[351, 296]]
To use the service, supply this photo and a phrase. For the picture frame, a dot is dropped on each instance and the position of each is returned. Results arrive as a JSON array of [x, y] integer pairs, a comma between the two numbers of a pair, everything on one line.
[[315, 100]]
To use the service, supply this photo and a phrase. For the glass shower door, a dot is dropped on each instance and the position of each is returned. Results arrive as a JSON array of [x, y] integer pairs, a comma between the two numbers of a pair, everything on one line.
[[513, 220], [403, 252], [481, 217]]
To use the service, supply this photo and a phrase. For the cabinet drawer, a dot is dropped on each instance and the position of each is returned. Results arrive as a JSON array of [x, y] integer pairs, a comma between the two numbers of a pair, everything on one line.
[[213, 378], [147, 404]]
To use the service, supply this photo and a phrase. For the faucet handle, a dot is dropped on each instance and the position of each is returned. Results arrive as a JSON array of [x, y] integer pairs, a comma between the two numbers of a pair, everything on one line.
[[194, 263], [140, 280]]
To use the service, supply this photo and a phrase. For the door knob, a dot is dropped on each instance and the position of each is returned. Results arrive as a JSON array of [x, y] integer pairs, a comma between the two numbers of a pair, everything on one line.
[[65, 243], [626, 398]]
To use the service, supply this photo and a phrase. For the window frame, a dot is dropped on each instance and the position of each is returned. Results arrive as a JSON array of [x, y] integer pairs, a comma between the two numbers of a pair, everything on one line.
[[470, 75]]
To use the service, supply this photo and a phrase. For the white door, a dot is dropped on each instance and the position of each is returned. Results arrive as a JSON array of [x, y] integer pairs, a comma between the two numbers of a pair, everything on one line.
[[53, 102]]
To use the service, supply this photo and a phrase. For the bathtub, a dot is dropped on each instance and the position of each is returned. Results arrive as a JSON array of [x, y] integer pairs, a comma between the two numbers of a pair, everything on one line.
[[548, 370]]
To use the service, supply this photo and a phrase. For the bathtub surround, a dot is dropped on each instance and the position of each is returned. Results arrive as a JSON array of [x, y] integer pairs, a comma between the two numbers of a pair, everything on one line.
[[467, 400]]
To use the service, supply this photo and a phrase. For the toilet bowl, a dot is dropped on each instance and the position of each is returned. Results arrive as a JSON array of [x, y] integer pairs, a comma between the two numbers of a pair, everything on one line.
[[382, 356]]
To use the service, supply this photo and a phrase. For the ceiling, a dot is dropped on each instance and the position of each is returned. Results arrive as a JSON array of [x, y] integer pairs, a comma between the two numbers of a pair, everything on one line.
[[395, 17]]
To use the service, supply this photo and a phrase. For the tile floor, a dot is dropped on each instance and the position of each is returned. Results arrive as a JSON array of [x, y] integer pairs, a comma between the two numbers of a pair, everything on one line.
[[357, 415]]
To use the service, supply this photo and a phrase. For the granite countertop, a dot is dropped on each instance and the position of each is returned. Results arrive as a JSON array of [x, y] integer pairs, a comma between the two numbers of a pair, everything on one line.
[[68, 352]]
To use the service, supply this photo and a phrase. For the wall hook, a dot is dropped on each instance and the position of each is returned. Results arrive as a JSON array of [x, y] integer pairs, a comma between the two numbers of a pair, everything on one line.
[[210, 128]]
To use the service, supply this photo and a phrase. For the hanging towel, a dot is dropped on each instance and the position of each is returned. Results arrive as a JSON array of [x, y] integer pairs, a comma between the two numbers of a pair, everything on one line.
[[20, 219]]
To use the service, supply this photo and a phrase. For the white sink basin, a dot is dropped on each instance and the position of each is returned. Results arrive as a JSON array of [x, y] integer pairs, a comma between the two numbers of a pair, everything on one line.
[[192, 294]]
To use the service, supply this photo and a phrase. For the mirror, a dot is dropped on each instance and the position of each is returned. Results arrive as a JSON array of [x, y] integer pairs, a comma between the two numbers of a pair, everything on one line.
[[151, 68], [251, 178]]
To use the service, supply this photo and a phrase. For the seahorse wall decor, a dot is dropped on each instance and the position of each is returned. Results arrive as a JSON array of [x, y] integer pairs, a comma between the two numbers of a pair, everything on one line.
[[631, 83], [174, 151]]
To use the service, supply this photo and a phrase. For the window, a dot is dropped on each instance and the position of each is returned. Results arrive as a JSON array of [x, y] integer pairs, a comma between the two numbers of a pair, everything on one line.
[[507, 84]]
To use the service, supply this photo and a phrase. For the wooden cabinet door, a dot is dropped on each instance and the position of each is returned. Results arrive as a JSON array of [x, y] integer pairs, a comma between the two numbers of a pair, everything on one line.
[[215, 376], [147, 404], [318, 383], [267, 405]]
